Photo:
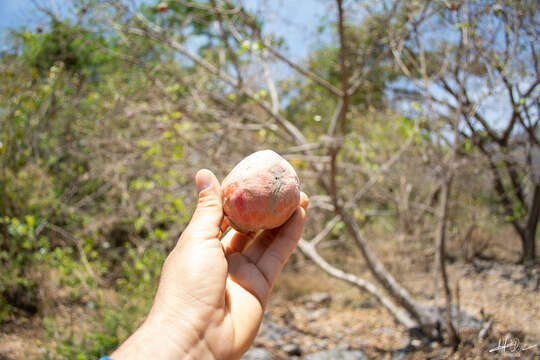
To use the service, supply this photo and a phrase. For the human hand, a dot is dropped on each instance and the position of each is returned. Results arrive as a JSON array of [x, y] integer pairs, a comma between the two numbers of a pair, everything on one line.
[[212, 291]]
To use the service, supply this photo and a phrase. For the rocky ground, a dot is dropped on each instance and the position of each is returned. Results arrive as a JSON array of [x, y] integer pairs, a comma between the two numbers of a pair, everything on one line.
[[501, 302], [312, 316]]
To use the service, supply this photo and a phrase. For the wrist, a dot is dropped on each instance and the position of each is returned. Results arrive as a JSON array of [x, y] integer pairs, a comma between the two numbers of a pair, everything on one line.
[[157, 339], [147, 343]]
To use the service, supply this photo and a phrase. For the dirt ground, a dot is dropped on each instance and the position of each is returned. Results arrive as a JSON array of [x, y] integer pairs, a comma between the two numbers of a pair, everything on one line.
[[490, 289], [507, 294]]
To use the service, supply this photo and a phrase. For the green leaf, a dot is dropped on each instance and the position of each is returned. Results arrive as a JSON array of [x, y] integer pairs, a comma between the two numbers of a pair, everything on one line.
[[245, 46], [30, 220]]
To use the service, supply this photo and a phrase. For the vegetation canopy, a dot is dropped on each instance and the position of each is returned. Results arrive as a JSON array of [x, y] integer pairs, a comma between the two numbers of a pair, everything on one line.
[[412, 125]]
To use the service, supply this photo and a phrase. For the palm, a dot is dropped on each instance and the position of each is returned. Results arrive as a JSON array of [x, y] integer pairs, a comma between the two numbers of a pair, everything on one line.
[[236, 283]]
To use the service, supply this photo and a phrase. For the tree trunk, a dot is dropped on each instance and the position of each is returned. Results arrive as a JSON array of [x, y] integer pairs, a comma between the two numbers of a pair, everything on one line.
[[398, 292], [529, 246], [528, 235], [526, 230], [440, 264]]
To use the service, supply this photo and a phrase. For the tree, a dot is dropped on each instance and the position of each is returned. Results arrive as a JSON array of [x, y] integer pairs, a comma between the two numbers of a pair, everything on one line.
[[328, 147], [486, 71]]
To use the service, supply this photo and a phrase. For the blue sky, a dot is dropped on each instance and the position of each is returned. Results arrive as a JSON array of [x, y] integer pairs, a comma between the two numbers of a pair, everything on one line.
[[295, 21], [15, 13]]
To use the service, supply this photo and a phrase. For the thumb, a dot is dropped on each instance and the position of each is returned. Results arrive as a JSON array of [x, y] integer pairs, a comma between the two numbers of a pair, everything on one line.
[[206, 221]]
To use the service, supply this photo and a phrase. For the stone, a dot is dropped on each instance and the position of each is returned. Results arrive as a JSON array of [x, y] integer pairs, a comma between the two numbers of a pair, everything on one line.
[[321, 298], [334, 354], [403, 353], [315, 315], [315, 300], [344, 346], [272, 331], [292, 349], [400, 355], [257, 354]]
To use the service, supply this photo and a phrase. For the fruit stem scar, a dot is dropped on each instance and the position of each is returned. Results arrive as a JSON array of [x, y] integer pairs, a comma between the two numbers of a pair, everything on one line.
[[277, 183]]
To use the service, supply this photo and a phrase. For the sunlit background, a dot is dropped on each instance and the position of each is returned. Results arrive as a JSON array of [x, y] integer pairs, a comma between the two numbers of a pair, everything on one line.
[[413, 126]]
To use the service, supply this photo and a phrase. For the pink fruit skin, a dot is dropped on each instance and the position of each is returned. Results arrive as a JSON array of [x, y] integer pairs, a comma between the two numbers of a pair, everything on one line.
[[261, 192]]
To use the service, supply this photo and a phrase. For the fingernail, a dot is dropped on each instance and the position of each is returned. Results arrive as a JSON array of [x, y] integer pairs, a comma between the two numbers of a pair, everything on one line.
[[203, 180]]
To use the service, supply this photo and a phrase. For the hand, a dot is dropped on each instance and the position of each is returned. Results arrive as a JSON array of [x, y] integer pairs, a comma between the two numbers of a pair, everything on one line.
[[211, 296]]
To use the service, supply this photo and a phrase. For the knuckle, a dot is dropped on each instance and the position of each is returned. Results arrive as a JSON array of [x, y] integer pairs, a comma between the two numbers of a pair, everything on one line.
[[209, 202], [275, 256]]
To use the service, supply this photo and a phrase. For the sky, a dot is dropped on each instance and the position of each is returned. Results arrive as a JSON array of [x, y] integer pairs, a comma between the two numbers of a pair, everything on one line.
[[292, 20], [14, 13]]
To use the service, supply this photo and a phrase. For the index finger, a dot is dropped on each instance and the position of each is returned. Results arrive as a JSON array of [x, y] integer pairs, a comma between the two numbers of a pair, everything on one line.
[[255, 251], [275, 256]]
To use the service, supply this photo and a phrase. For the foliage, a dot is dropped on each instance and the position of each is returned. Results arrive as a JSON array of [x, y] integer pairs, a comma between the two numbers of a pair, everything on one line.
[[101, 132], [73, 46], [72, 206]]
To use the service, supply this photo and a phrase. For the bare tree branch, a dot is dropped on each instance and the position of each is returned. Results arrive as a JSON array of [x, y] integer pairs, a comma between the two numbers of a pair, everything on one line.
[[322, 235], [395, 311]]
